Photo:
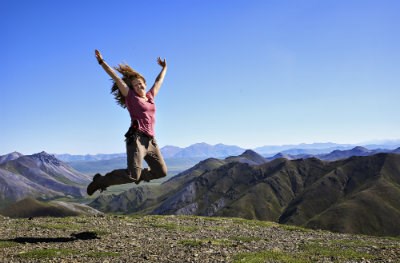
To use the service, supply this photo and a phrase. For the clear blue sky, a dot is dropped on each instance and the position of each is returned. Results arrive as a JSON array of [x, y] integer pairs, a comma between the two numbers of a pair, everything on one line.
[[248, 73]]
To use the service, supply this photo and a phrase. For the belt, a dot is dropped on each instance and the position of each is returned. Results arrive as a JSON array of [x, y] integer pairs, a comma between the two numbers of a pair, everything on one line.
[[134, 130], [143, 134]]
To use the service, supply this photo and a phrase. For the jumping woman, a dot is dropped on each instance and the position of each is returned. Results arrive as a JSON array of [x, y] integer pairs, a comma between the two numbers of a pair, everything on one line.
[[130, 92]]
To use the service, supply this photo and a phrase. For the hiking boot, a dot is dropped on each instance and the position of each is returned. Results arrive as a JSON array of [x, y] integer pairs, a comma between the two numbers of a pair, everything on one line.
[[95, 185]]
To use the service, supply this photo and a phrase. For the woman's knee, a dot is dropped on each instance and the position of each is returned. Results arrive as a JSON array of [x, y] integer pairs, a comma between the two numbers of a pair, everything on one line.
[[135, 172], [164, 171], [160, 171]]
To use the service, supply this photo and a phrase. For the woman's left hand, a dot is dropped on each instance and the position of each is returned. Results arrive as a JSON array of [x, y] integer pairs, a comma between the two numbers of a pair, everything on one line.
[[99, 57], [162, 63]]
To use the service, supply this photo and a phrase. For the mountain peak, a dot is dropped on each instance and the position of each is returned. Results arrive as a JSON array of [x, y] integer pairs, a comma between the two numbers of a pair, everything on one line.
[[46, 158], [43, 154], [249, 152], [360, 149], [9, 157], [397, 150], [201, 144], [253, 156], [281, 155], [15, 154]]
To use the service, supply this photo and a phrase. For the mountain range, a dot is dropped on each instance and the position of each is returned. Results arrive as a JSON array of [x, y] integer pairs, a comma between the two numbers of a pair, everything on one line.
[[175, 165], [322, 148], [354, 190], [336, 154], [354, 195], [88, 157], [204, 150], [199, 152], [39, 175]]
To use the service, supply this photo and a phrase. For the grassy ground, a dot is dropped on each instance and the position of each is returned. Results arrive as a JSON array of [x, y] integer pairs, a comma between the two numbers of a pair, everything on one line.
[[182, 239]]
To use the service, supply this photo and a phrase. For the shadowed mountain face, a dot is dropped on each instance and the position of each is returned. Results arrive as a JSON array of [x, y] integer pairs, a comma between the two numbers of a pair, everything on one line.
[[360, 195], [39, 175], [356, 195]]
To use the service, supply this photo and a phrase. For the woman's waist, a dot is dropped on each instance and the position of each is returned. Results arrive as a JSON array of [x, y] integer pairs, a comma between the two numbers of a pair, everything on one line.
[[141, 129]]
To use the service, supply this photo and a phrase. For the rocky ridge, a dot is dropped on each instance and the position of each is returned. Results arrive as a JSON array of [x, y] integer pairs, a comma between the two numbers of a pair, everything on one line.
[[182, 239]]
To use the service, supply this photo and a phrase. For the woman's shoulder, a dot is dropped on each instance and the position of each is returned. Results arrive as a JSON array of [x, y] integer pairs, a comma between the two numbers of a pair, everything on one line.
[[150, 94], [131, 97]]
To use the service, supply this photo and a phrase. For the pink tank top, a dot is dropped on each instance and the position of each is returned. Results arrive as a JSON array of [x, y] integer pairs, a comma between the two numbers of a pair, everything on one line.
[[141, 110]]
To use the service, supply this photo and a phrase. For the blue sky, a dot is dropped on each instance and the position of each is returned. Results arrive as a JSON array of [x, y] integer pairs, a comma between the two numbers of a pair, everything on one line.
[[248, 73]]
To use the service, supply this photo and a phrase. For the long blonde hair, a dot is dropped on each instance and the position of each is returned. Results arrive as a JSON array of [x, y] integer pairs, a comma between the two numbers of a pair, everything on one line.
[[128, 74]]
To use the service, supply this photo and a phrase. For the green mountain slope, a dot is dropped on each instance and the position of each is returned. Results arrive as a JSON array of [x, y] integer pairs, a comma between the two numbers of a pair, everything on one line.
[[356, 195]]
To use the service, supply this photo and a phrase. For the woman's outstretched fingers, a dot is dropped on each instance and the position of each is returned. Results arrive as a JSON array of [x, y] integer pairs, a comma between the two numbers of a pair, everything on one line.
[[161, 62], [98, 55]]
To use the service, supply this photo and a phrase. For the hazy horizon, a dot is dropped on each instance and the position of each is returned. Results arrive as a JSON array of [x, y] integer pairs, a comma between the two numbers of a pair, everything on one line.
[[372, 142]]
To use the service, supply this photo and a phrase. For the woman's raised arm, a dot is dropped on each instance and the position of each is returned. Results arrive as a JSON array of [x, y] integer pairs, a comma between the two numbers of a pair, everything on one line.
[[160, 78], [123, 88]]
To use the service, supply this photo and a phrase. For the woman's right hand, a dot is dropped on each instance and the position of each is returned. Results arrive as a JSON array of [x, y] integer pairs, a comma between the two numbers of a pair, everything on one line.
[[98, 56]]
